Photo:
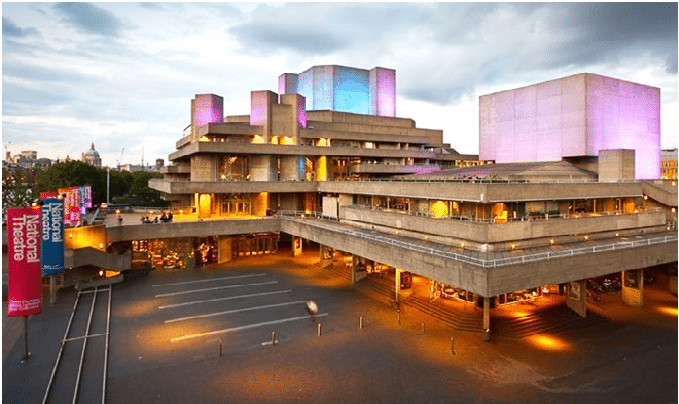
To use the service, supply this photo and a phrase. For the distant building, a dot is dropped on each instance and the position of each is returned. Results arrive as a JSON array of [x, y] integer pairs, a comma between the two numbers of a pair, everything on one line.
[[668, 164], [91, 157]]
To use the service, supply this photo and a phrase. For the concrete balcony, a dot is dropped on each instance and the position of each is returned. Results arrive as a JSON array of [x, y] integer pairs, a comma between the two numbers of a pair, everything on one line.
[[295, 150], [226, 187], [197, 228], [382, 168], [489, 236]]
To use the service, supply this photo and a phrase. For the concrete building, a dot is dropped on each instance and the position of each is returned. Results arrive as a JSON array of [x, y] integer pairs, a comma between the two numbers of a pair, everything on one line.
[[669, 164], [572, 117], [383, 191]]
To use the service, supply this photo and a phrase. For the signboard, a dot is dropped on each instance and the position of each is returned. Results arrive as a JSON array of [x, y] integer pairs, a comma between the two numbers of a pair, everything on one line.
[[67, 193], [73, 204], [52, 235], [49, 194], [23, 252], [88, 196]]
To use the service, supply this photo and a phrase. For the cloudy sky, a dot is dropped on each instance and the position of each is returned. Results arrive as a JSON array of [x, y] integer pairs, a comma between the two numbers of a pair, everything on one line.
[[122, 75]]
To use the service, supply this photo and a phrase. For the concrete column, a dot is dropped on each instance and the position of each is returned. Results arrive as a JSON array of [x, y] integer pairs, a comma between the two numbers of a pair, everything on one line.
[[224, 247], [296, 246], [633, 287], [398, 284], [357, 269], [325, 256], [576, 297], [486, 319], [292, 168]]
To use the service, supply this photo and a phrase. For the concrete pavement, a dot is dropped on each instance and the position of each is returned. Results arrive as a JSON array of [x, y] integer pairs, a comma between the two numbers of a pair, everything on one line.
[[624, 360]]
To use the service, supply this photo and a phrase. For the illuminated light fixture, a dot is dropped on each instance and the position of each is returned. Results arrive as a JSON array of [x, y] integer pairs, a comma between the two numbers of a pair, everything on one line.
[[645, 197], [674, 210], [101, 273], [202, 197], [513, 246], [586, 237], [204, 139], [223, 176], [101, 245], [617, 234], [181, 211], [551, 241], [461, 245], [257, 139], [70, 235]]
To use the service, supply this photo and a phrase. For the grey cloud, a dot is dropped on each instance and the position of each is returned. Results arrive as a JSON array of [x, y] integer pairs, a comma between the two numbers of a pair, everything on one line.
[[9, 29], [89, 18], [263, 39]]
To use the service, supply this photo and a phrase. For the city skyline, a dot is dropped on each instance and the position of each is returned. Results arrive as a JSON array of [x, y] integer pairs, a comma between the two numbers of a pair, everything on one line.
[[123, 75]]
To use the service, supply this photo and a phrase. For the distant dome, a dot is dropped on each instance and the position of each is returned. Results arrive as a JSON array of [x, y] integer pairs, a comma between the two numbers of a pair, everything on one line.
[[91, 157]]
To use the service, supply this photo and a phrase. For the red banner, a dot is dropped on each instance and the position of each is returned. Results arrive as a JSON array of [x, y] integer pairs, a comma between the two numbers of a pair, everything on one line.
[[23, 252], [50, 194]]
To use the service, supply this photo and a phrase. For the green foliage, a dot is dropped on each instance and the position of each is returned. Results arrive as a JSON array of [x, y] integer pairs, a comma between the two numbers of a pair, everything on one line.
[[124, 186], [17, 189]]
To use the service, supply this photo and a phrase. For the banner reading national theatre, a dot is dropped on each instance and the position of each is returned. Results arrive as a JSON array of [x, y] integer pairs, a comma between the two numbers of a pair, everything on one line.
[[24, 281], [52, 236]]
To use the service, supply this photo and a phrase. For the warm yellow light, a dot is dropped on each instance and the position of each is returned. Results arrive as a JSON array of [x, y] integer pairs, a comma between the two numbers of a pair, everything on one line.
[[202, 197], [513, 246], [439, 209], [586, 237], [645, 197], [286, 140], [551, 241], [549, 342], [257, 139], [70, 235], [461, 245], [101, 245], [101, 273], [118, 211], [674, 210], [204, 139], [617, 234], [671, 311]]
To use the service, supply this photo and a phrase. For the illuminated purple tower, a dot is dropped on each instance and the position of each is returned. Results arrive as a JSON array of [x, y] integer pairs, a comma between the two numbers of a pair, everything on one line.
[[345, 89], [574, 116]]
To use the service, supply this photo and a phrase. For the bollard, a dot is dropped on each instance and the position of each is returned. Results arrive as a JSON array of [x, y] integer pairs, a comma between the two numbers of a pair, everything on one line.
[[220, 347], [452, 345], [273, 338], [422, 328], [360, 323], [319, 329], [399, 316]]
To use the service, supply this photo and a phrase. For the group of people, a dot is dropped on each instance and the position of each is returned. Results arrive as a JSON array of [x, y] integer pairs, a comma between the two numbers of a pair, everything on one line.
[[165, 217]]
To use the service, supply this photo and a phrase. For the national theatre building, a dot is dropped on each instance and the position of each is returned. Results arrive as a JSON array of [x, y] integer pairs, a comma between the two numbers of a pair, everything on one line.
[[565, 187]]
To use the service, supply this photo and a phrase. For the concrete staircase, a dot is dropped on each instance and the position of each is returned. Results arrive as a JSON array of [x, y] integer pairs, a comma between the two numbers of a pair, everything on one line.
[[553, 320]]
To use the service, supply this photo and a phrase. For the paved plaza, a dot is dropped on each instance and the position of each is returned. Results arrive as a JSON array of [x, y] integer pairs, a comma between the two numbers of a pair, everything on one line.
[[166, 330]]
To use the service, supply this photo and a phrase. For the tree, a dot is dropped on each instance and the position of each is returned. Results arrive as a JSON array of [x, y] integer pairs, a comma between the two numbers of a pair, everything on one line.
[[74, 174], [18, 188]]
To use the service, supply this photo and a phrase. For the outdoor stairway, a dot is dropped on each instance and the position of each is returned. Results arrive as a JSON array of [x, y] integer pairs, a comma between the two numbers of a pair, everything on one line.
[[469, 321], [554, 320], [341, 271]]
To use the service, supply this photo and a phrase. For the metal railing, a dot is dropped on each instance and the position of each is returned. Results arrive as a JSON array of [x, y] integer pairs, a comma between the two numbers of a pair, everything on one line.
[[485, 263], [542, 216]]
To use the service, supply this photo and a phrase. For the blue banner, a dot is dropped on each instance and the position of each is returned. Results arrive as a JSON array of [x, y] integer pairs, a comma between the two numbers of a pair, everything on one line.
[[52, 217]]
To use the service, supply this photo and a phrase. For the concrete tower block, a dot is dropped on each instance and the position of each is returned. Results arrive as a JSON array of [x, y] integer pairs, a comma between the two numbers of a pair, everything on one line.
[[616, 165], [261, 109], [382, 91], [206, 108]]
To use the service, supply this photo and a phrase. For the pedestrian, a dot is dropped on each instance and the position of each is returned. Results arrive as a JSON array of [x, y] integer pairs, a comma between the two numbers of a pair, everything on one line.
[[312, 308]]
